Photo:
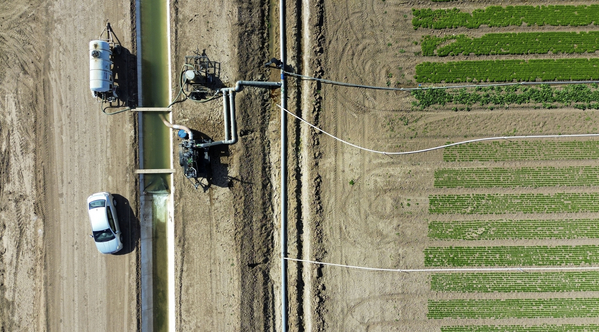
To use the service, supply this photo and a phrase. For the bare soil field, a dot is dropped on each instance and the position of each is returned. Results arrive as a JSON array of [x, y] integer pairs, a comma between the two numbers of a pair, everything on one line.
[[224, 233]]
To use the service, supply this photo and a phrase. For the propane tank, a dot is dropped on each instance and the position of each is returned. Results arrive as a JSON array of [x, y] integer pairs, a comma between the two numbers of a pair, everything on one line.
[[100, 67]]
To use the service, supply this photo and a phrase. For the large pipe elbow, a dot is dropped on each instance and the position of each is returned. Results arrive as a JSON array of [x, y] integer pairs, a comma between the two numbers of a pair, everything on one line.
[[176, 126]]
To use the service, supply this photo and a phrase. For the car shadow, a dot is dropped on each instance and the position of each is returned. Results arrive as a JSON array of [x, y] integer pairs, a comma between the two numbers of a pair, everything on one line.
[[129, 224]]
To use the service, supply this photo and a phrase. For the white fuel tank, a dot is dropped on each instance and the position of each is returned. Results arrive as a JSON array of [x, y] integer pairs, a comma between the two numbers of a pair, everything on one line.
[[100, 72]]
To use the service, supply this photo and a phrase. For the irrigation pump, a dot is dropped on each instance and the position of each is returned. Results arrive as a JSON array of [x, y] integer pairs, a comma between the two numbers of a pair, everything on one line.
[[195, 161], [101, 66]]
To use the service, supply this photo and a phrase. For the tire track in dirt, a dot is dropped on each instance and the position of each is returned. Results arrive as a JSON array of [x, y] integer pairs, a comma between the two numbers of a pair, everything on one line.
[[20, 220], [20, 252]]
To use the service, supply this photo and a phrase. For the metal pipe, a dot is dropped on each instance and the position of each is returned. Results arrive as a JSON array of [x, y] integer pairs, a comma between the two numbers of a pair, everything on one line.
[[233, 133], [225, 115], [283, 168], [231, 136], [176, 126], [259, 84]]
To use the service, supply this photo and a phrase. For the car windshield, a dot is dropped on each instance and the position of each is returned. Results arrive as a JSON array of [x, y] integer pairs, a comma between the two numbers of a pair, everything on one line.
[[103, 236], [97, 203]]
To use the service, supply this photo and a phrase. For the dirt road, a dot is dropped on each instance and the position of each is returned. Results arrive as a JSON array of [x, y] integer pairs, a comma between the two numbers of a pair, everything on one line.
[[58, 148]]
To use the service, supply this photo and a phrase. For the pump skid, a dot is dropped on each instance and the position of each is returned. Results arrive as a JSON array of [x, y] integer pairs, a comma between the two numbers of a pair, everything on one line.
[[199, 75]]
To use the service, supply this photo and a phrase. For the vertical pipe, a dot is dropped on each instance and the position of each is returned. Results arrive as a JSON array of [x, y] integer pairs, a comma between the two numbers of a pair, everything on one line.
[[226, 115], [233, 134], [283, 169]]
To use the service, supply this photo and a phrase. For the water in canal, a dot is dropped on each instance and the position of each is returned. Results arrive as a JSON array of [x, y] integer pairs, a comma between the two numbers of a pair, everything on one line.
[[156, 143]]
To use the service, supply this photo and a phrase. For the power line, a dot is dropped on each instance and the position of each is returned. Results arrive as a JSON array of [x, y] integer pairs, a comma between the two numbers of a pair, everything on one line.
[[466, 269], [440, 146], [372, 87]]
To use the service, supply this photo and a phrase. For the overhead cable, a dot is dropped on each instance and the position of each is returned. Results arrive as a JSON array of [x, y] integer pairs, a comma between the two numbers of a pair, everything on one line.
[[440, 146]]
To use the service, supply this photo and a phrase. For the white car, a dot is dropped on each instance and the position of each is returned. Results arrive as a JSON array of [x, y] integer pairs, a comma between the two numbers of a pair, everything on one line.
[[106, 231]]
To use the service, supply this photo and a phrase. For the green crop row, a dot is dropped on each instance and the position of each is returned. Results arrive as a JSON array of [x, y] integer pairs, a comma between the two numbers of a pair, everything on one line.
[[497, 16], [513, 43], [520, 328], [513, 308], [514, 229], [514, 203], [543, 94], [523, 150], [516, 282], [503, 177], [511, 256], [545, 70]]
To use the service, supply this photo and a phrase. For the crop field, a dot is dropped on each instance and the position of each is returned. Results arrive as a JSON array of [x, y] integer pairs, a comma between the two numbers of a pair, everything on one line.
[[497, 235], [519, 328], [514, 229], [513, 203], [513, 43], [517, 177], [523, 150], [580, 96], [516, 282], [511, 256], [497, 16], [572, 53], [508, 71], [514, 308]]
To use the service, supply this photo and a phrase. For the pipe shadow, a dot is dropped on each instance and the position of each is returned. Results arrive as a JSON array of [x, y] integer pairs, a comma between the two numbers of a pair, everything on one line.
[[129, 224]]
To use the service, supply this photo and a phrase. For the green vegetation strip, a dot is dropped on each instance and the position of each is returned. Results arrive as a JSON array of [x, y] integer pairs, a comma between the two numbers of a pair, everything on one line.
[[578, 95], [545, 70], [520, 328], [513, 43], [523, 150], [516, 282], [503, 256], [514, 203], [497, 16], [513, 308], [501, 177], [514, 229]]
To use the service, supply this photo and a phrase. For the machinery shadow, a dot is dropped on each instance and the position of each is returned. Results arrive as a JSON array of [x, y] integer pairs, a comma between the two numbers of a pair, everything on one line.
[[125, 78], [220, 174], [129, 223]]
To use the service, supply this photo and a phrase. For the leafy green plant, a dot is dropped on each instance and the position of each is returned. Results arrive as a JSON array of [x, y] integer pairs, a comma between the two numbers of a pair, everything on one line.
[[514, 308], [502, 229], [503, 177], [522, 328], [523, 150], [511, 256], [514, 203], [513, 43], [497, 16], [516, 282], [576, 69]]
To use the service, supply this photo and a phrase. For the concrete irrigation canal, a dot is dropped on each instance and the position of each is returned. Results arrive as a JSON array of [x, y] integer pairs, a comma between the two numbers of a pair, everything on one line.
[[155, 154]]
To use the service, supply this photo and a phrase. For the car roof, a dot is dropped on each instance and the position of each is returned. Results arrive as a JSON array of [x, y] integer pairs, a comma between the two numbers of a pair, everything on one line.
[[98, 219]]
